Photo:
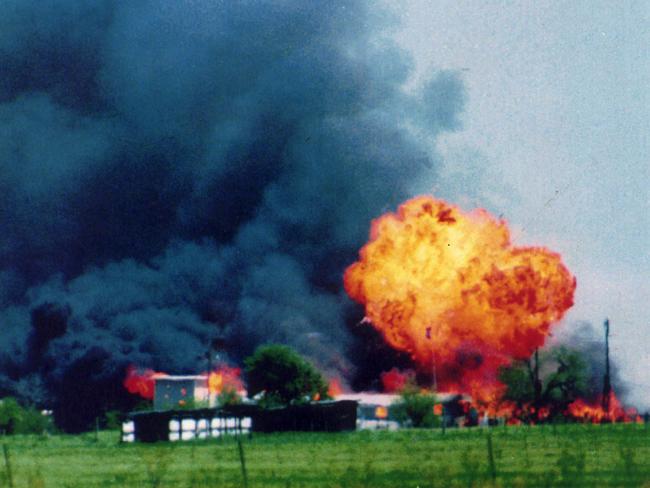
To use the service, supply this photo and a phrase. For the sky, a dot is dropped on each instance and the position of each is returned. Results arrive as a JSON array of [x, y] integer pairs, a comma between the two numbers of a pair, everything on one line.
[[554, 138]]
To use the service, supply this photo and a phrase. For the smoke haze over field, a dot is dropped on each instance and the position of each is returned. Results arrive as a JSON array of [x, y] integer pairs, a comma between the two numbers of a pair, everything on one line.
[[171, 172]]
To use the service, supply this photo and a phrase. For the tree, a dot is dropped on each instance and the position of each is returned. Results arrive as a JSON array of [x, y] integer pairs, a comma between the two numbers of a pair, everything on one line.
[[10, 415], [562, 380], [415, 407], [282, 376], [569, 381], [16, 419], [228, 396], [519, 387]]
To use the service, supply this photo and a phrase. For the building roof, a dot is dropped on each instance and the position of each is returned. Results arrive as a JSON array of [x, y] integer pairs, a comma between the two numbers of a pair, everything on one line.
[[188, 377], [387, 399]]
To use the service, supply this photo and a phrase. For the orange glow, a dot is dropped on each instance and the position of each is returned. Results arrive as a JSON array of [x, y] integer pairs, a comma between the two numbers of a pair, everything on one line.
[[594, 413], [334, 389], [437, 409], [395, 380], [381, 412], [141, 382], [450, 289], [224, 377]]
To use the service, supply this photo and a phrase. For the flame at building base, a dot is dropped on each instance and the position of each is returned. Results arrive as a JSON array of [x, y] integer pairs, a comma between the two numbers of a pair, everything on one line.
[[449, 288], [225, 378], [593, 412]]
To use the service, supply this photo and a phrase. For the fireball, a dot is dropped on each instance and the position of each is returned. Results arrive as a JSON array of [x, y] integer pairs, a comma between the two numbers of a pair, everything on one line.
[[449, 288]]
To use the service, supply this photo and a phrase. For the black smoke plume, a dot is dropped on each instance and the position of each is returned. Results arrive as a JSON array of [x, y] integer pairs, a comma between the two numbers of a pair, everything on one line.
[[175, 172]]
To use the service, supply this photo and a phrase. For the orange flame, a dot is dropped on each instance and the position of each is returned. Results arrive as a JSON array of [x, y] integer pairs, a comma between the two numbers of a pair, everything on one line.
[[394, 381], [449, 288], [594, 412], [381, 412], [334, 388], [141, 382], [225, 377]]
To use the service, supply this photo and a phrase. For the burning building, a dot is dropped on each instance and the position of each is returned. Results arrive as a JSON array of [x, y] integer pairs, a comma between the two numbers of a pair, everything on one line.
[[445, 286], [179, 391], [186, 407], [376, 411]]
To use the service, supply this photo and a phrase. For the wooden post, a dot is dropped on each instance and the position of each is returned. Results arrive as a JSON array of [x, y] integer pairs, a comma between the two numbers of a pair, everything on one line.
[[10, 478], [242, 460], [490, 452]]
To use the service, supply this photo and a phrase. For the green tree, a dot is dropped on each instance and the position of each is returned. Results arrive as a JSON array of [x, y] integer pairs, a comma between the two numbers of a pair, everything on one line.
[[16, 419], [282, 376], [415, 408], [519, 386], [550, 381], [228, 396], [10, 415], [569, 381]]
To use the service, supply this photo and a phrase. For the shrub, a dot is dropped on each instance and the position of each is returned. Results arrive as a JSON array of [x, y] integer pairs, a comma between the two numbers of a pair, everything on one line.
[[415, 408], [228, 396], [16, 419]]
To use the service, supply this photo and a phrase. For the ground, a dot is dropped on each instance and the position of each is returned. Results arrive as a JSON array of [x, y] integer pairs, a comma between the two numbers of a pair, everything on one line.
[[571, 455]]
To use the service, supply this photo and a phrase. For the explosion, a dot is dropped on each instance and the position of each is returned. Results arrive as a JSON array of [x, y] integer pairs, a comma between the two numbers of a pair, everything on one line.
[[449, 288]]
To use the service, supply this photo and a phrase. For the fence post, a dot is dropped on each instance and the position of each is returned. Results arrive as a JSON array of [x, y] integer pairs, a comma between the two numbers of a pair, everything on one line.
[[242, 460], [10, 478], [490, 452]]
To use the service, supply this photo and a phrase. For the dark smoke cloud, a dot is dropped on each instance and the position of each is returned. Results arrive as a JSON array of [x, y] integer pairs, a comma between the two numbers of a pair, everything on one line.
[[172, 172]]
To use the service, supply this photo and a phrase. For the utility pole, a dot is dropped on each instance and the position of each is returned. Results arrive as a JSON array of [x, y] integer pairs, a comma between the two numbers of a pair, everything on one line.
[[433, 362], [607, 386], [435, 377], [538, 383]]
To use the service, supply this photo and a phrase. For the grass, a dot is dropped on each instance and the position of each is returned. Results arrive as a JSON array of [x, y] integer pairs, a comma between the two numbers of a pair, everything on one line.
[[571, 456]]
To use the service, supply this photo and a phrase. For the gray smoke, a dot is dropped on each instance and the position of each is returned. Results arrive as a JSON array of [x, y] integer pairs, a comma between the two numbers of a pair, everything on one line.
[[586, 339], [172, 172]]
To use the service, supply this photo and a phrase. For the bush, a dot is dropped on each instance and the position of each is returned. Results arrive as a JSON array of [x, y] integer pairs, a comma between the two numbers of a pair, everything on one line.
[[415, 408], [16, 419], [113, 419], [228, 396]]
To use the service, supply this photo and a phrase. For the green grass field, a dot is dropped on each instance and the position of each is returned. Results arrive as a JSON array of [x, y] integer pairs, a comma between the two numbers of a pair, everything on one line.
[[572, 455]]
